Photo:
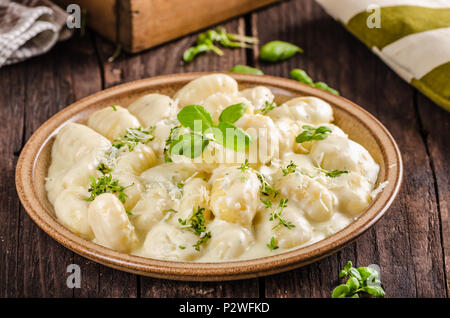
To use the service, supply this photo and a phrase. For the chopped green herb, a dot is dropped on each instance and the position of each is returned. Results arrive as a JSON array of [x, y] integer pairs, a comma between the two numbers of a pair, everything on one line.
[[180, 185], [106, 184], [114, 107], [290, 168], [128, 212], [173, 136], [133, 137], [361, 279], [104, 169], [276, 215], [272, 244], [333, 173], [196, 223], [181, 247], [266, 108], [310, 133], [266, 189], [244, 166]]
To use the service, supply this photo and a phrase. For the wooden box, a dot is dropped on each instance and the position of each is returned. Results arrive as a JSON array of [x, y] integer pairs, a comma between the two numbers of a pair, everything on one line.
[[140, 24]]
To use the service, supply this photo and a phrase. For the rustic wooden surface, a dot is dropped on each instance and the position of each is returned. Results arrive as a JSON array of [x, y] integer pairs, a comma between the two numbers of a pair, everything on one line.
[[411, 244]]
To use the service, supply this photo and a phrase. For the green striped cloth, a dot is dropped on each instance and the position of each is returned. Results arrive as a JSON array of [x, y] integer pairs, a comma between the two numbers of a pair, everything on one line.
[[413, 38]]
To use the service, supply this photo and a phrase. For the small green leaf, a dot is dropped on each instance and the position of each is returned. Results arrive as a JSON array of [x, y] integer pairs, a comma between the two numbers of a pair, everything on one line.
[[341, 291], [347, 266], [232, 137], [192, 113], [244, 69], [301, 76], [232, 113], [353, 284], [343, 273], [354, 273], [276, 51], [325, 87], [376, 291], [310, 133], [367, 272], [190, 145]]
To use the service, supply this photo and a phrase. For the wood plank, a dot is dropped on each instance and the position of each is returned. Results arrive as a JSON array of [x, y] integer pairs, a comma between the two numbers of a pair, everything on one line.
[[52, 82], [12, 114], [435, 124], [166, 60], [410, 256]]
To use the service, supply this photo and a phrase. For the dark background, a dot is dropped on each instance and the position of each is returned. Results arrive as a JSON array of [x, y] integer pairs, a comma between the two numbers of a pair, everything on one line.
[[410, 244]]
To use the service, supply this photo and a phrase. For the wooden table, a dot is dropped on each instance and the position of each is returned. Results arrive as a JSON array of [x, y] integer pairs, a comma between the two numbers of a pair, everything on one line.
[[411, 243]]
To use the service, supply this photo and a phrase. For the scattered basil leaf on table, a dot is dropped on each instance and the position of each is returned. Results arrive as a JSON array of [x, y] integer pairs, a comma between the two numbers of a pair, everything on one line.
[[301, 76], [244, 69], [276, 51], [361, 279], [206, 41]]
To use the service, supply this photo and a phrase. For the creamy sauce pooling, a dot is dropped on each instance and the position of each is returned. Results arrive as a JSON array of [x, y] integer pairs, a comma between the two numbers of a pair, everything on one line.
[[110, 180]]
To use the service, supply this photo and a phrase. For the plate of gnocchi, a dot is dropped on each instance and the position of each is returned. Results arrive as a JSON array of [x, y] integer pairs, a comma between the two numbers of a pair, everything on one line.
[[209, 176]]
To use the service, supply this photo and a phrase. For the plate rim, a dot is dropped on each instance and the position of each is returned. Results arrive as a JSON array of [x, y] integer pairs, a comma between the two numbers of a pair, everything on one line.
[[202, 271]]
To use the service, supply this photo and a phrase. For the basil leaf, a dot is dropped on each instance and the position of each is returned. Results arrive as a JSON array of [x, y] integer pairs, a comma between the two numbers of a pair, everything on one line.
[[341, 291], [376, 291], [301, 76], [189, 145], [367, 272], [192, 113], [232, 113], [231, 137], [276, 51], [354, 273], [353, 284], [349, 264], [244, 69]]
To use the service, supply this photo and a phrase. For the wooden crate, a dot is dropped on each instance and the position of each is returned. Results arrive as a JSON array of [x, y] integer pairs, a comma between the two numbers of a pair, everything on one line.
[[140, 24]]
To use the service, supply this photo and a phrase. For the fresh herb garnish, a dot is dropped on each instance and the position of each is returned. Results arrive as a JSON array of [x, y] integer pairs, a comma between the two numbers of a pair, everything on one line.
[[244, 69], [198, 119], [106, 184], [303, 77], [272, 244], [173, 136], [266, 189], [310, 133], [267, 107], [361, 279], [244, 166], [206, 41], [276, 51], [116, 54], [332, 173], [180, 185], [275, 214], [128, 212], [290, 168], [104, 169], [133, 137], [114, 107], [181, 247], [196, 223]]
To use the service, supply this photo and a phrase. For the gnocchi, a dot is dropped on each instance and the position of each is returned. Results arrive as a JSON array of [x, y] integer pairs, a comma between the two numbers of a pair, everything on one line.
[[115, 181]]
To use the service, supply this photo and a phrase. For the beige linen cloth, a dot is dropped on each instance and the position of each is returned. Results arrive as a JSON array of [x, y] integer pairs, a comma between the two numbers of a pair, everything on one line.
[[29, 28]]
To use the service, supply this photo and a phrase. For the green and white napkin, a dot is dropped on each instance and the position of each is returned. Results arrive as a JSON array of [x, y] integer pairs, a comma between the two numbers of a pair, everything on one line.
[[411, 36]]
